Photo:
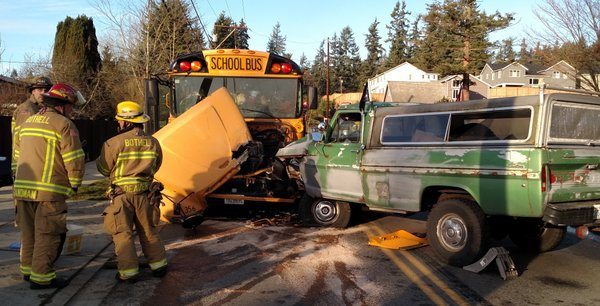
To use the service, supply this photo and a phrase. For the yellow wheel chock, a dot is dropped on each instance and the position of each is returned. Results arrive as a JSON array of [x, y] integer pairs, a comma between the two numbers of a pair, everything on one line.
[[398, 240]]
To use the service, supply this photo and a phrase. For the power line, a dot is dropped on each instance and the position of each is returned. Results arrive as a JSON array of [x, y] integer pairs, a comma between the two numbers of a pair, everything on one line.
[[210, 43], [228, 9], [213, 10], [244, 9]]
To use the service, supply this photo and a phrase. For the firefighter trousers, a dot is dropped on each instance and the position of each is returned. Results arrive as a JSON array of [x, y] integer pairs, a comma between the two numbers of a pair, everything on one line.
[[43, 226], [125, 211]]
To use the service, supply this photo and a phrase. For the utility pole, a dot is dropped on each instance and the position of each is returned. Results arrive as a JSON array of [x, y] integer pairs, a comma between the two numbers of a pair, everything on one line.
[[233, 28], [341, 85], [327, 82]]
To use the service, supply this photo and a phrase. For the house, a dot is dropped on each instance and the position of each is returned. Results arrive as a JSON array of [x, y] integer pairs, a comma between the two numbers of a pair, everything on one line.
[[405, 72], [516, 74], [12, 92], [478, 89], [446, 89]]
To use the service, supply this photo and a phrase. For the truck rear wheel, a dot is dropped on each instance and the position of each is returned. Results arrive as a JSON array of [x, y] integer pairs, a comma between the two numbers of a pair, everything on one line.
[[323, 212], [532, 235], [457, 231]]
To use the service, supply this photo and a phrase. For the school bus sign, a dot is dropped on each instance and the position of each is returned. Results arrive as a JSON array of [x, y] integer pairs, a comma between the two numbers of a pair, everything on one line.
[[249, 63]]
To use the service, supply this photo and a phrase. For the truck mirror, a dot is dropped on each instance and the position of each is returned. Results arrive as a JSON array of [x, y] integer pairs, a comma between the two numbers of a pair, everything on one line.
[[313, 103], [316, 136]]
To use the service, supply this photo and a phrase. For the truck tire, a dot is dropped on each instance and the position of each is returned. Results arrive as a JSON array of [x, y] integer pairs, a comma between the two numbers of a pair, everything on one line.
[[532, 235], [323, 212], [457, 231]]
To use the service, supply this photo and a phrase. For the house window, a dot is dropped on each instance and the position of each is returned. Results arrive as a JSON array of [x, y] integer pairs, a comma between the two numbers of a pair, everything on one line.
[[410, 77], [534, 82], [423, 76], [556, 74], [456, 83], [487, 76], [499, 74], [515, 73], [455, 93], [493, 76]]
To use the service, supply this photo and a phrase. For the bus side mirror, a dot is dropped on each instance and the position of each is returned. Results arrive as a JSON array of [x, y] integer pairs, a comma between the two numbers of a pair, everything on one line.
[[313, 102]]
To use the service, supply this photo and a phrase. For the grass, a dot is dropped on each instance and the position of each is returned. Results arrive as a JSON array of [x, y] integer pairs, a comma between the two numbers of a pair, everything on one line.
[[93, 191]]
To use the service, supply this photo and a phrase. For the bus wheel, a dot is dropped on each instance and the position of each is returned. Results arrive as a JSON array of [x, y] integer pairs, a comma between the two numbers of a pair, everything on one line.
[[532, 235], [457, 231], [323, 212]]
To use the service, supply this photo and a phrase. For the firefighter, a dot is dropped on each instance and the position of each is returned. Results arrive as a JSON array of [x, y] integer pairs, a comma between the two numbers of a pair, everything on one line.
[[49, 169], [130, 160], [29, 107]]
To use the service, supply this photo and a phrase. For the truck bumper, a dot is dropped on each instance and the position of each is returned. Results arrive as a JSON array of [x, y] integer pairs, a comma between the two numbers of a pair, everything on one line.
[[573, 214]]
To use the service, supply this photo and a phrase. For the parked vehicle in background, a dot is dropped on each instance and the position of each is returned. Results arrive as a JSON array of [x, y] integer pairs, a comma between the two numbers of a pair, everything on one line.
[[525, 167]]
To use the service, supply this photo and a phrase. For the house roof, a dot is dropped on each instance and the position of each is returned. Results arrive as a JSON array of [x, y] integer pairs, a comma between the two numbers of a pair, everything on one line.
[[453, 76], [531, 68], [561, 61], [11, 80], [403, 64]]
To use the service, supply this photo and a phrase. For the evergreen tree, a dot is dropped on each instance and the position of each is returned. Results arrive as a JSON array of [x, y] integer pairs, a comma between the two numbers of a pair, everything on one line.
[[414, 39], [75, 57], [223, 32], [276, 43], [524, 53], [170, 31], [456, 38], [241, 36], [371, 65], [346, 61], [398, 36], [319, 68], [506, 54]]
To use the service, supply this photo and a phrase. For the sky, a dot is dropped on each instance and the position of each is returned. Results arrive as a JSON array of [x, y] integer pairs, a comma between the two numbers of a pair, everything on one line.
[[27, 27]]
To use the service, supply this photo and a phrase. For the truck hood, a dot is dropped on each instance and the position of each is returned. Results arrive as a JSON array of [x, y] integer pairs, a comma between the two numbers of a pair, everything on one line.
[[297, 148], [198, 151]]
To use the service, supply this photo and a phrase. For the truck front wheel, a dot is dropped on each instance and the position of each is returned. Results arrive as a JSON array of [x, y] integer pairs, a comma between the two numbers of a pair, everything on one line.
[[323, 212], [532, 235], [457, 231]]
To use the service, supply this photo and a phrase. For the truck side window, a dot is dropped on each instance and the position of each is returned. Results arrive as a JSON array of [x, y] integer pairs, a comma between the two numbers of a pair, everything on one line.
[[414, 128], [509, 124], [347, 128]]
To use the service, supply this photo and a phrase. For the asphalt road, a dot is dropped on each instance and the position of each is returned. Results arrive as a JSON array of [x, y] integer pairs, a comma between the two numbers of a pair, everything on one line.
[[239, 262]]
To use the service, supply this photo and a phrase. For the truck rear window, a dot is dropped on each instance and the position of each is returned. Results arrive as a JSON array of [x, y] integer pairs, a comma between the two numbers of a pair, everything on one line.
[[492, 125], [575, 123]]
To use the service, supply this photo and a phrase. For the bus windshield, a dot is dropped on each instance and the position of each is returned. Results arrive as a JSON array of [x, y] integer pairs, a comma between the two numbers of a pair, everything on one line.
[[255, 97]]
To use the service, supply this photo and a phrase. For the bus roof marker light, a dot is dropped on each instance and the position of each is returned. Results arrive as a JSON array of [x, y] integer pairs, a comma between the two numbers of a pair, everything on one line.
[[185, 66], [196, 66], [276, 68], [286, 68]]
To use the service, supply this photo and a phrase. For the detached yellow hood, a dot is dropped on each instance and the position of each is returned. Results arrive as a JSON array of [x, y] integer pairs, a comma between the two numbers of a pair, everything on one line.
[[198, 151]]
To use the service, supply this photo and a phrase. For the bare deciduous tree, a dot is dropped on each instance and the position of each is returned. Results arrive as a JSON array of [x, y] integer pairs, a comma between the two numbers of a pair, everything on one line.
[[574, 25]]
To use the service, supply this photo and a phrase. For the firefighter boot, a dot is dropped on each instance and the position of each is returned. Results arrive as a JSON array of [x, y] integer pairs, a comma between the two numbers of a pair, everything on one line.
[[130, 280], [56, 283], [160, 272]]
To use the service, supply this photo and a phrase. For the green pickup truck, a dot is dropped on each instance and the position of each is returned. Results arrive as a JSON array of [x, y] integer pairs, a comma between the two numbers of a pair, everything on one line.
[[526, 167]]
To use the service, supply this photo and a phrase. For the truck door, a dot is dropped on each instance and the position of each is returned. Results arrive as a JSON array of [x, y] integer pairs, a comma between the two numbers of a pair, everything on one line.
[[332, 167]]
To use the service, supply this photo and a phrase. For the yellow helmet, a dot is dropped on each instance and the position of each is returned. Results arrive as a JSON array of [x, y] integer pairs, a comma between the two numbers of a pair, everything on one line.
[[131, 112]]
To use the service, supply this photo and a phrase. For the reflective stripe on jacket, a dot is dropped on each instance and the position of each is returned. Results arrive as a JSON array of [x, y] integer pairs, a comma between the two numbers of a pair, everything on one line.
[[23, 111], [130, 160], [50, 159]]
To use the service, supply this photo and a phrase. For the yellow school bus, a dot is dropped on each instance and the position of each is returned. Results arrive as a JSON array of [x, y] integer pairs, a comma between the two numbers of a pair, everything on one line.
[[268, 90]]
